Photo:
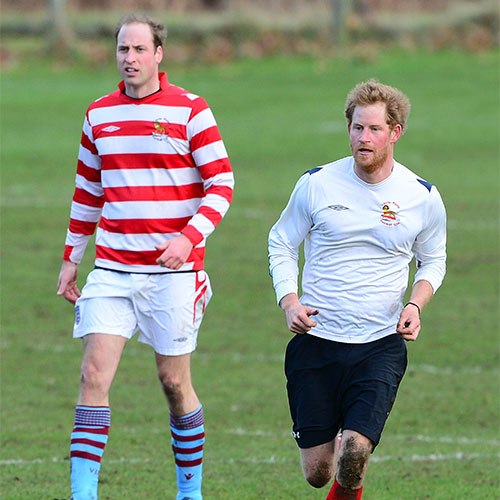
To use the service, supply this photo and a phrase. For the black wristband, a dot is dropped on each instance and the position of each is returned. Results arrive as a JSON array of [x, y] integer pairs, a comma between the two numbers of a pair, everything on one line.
[[416, 305]]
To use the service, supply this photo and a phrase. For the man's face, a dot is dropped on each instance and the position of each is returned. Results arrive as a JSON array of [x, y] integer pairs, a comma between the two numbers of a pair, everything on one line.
[[371, 138], [137, 59]]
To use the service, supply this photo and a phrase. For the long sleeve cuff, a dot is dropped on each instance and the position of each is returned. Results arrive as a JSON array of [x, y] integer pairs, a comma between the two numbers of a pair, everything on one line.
[[284, 288]]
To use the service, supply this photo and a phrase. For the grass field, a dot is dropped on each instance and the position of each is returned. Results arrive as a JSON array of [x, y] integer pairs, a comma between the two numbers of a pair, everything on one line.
[[279, 117]]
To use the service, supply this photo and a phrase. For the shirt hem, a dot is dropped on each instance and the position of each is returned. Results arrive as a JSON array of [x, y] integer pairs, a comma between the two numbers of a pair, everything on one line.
[[352, 339]]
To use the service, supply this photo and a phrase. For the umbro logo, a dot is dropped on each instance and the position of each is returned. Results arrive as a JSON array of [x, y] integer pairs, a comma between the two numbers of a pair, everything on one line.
[[338, 208], [111, 128]]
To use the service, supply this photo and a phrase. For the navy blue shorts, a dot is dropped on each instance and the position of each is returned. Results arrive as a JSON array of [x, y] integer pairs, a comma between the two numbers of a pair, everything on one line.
[[333, 386]]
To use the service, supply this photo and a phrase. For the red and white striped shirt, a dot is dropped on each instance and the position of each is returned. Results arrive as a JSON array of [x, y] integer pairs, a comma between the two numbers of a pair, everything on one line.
[[148, 170]]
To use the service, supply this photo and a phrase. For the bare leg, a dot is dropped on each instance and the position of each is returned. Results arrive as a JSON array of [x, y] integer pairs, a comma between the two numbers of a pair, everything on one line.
[[355, 453], [174, 373], [186, 423], [318, 463], [101, 357]]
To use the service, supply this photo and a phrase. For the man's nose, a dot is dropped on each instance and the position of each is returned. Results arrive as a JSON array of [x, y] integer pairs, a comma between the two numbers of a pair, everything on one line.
[[365, 135]]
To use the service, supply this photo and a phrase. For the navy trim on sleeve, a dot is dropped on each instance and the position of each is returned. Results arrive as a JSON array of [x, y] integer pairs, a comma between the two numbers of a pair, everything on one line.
[[428, 185], [313, 170]]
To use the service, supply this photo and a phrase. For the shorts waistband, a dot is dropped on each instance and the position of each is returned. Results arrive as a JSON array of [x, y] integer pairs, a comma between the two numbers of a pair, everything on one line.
[[138, 272]]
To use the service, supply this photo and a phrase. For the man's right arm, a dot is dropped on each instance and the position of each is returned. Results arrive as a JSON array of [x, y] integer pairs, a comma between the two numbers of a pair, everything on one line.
[[88, 198], [297, 315], [66, 283], [285, 238], [86, 209]]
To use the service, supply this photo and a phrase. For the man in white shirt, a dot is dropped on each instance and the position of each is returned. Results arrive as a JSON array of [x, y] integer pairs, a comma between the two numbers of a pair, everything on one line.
[[362, 219]]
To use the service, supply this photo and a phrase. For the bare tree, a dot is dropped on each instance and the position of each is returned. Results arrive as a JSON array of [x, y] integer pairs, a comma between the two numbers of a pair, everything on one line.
[[340, 13], [213, 4], [59, 32]]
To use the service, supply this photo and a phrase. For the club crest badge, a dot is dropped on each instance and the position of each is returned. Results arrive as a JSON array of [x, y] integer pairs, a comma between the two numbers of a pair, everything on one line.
[[160, 132], [389, 215]]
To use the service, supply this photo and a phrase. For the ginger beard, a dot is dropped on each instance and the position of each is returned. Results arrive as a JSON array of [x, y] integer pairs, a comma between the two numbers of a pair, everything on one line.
[[372, 139], [369, 159]]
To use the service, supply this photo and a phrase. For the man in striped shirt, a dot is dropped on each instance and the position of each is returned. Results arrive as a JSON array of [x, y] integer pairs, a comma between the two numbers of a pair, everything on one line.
[[153, 176]]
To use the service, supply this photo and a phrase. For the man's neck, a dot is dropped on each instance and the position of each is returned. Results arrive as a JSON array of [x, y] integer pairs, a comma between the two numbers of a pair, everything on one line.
[[134, 93], [376, 175]]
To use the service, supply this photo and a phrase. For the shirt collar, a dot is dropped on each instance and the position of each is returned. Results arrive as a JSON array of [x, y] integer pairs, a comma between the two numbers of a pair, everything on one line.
[[162, 76]]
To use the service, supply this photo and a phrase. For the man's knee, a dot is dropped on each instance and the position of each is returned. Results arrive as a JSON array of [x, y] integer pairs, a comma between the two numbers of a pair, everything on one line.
[[352, 463], [92, 378], [101, 356], [319, 473], [318, 463], [171, 383]]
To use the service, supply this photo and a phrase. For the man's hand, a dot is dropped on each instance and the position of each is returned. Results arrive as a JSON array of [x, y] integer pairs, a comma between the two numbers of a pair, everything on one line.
[[66, 283], [297, 315], [409, 322], [175, 252]]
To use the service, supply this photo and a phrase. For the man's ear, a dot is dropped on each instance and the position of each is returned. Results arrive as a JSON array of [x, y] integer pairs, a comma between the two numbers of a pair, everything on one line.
[[396, 133], [159, 54]]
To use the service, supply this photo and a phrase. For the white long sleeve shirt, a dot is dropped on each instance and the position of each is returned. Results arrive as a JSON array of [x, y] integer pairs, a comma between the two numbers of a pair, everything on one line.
[[359, 239]]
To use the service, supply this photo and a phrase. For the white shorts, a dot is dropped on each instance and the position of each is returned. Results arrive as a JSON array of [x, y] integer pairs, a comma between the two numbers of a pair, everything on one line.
[[167, 308]]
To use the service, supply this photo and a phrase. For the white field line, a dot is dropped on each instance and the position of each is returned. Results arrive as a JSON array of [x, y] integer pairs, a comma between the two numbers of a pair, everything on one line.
[[433, 457], [443, 440], [134, 351], [238, 431], [398, 437]]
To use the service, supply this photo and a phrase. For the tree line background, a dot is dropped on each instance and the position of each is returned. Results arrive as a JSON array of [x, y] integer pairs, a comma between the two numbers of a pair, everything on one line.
[[185, 5], [219, 30]]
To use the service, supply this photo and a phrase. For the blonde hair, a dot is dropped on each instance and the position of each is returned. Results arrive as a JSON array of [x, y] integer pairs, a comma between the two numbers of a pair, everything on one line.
[[158, 31], [370, 92]]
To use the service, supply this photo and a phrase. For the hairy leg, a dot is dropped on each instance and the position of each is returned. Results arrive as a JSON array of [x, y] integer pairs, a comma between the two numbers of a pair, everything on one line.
[[174, 373]]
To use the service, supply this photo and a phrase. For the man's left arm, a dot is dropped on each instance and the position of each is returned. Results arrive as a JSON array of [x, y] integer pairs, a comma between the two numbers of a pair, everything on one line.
[[409, 320], [430, 254], [211, 159]]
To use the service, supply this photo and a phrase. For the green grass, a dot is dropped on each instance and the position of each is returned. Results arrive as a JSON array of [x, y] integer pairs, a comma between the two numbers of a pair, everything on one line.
[[279, 117]]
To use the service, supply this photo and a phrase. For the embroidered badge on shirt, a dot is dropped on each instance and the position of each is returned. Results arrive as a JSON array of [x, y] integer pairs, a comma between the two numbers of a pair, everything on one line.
[[161, 129], [389, 215]]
